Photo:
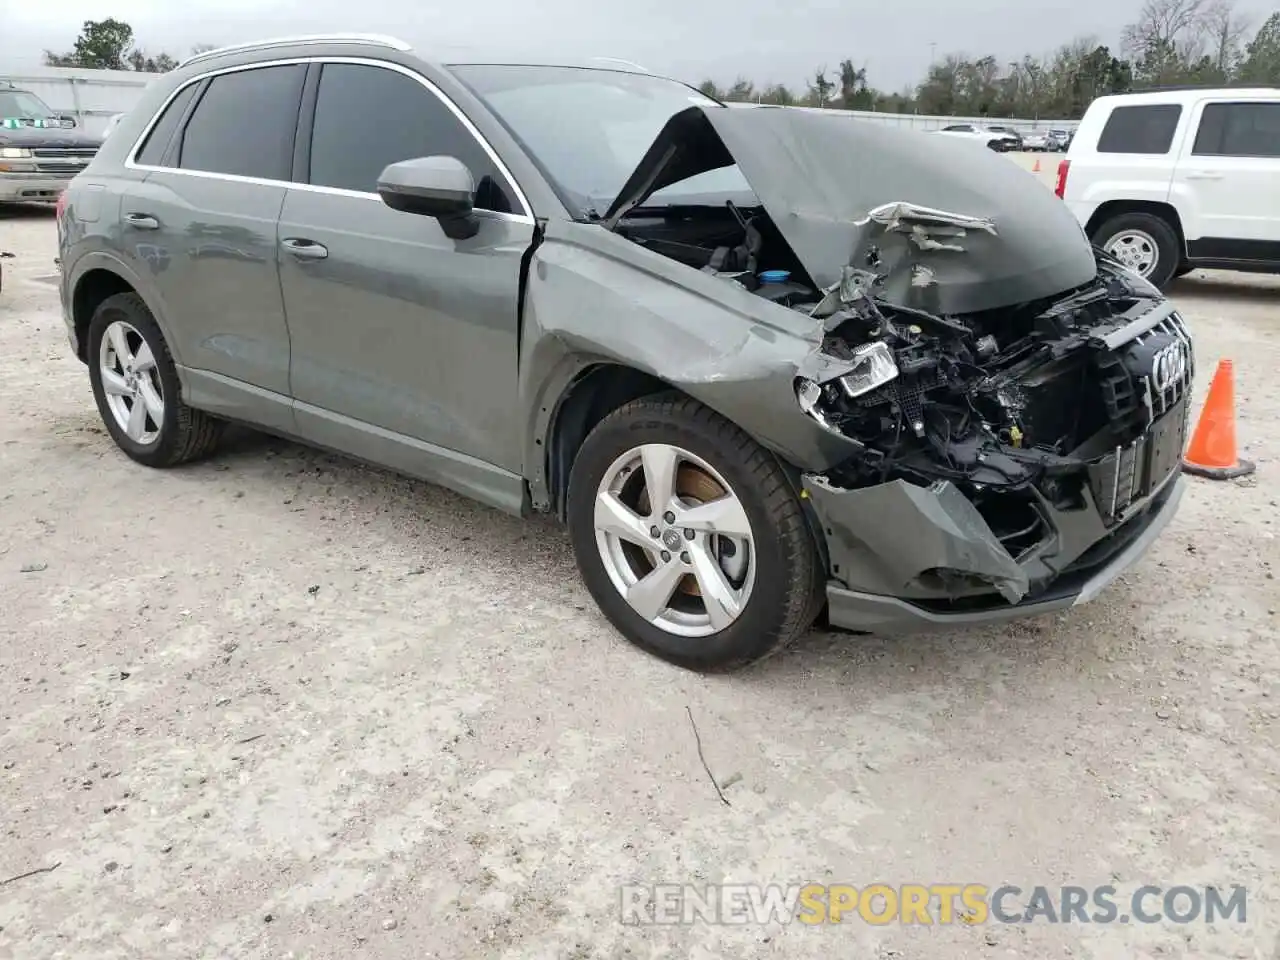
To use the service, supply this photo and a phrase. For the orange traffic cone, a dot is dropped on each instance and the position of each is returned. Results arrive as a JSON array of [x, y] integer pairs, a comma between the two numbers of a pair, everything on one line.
[[1036, 168], [1212, 452]]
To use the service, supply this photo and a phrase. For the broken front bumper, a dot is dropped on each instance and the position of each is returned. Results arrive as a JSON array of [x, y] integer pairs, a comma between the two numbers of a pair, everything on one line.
[[891, 549]]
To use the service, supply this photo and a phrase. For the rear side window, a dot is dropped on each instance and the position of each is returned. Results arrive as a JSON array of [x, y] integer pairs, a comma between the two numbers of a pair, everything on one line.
[[244, 124], [1239, 130], [369, 117], [1145, 129], [153, 148]]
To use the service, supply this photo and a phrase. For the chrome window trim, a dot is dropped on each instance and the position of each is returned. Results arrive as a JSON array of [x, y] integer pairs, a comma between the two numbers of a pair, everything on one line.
[[131, 163]]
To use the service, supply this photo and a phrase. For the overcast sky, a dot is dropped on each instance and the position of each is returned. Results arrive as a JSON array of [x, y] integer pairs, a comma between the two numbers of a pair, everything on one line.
[[766, 40]]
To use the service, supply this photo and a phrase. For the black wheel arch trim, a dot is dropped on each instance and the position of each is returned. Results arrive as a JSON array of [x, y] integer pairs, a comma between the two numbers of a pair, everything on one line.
[[103, 260]]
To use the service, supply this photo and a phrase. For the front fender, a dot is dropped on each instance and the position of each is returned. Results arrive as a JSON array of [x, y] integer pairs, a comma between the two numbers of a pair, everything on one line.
[[593, 296]]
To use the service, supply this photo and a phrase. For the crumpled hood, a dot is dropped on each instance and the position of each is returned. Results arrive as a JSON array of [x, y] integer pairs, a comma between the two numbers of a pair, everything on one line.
[[30, 137], [821, 175]]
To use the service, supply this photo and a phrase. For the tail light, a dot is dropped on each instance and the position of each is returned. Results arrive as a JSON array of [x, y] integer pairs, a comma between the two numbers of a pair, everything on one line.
[[61, 205], [1061, 189]]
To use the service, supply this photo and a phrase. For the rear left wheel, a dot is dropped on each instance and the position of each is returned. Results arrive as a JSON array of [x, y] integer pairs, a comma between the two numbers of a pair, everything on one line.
[[135, 384], [690, 537]]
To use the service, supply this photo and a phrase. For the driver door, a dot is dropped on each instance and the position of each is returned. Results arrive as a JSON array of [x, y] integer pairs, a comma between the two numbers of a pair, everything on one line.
[[404, 341]]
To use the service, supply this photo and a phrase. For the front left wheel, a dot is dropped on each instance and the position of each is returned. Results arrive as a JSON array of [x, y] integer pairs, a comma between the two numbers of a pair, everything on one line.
[[135, 384], [690, 536]]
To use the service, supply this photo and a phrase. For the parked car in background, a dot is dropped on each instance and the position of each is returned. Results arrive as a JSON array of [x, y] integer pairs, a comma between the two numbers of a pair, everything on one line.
[[995, 139], [40, 150], [1010, 132], [1035, 142], [1058, 141], [760, 361], [1171, 181]]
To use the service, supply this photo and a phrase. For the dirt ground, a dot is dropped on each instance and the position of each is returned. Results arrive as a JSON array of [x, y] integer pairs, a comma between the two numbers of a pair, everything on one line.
[[282, 705]]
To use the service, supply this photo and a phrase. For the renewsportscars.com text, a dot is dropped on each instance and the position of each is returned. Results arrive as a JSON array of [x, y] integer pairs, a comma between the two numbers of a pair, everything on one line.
[[925, 904]]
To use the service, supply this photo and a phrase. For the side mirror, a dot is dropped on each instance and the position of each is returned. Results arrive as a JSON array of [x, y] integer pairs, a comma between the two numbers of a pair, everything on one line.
[[439, 187]]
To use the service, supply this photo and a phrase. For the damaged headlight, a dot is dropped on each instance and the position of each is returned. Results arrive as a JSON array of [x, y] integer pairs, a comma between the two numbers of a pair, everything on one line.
[[873, 366]]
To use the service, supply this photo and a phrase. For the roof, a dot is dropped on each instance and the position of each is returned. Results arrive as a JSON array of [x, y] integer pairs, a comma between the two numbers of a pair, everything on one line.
[[1186, 94], [446, 58]]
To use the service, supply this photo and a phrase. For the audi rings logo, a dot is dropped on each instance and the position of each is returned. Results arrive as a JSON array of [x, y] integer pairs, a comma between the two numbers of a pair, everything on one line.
[[1170, 366]]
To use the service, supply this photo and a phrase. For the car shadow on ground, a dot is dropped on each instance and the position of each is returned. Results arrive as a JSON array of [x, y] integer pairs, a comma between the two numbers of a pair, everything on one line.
[[420, 509], [26, 211]]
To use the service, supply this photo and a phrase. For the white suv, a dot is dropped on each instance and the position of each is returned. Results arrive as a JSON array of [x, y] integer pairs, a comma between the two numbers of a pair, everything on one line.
[[1171, 181]]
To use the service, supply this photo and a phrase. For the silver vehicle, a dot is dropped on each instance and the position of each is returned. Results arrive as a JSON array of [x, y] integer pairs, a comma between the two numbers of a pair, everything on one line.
[[40, 150], [877, 373]]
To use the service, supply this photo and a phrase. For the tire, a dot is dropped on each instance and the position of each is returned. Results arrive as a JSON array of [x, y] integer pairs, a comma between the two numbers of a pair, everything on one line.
[[783, 571], [181, 434], [1152, 234]]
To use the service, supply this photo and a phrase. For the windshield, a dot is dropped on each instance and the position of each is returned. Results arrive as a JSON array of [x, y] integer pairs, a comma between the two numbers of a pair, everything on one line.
[[20, 105], [588, 129]]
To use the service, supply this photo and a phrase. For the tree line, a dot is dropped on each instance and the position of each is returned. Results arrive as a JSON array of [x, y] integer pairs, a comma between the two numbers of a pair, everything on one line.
[[1171, 43], [109, 45]]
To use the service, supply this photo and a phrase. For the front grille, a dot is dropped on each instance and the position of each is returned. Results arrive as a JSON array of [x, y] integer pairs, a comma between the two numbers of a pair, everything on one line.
[[86, 153], [62, 161], [1128, 474], [1158, 400]]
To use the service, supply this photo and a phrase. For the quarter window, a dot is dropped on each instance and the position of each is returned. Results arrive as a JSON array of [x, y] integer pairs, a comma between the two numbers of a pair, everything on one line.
[[369, 117], [1146, 129], [245, 123], [157, 142], [1239, 130]]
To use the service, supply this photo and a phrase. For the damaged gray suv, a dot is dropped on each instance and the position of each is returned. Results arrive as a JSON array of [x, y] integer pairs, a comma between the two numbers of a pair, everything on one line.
[[764, 363]]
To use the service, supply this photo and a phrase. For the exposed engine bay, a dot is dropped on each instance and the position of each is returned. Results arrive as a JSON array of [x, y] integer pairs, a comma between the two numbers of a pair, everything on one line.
[[1024, 397]]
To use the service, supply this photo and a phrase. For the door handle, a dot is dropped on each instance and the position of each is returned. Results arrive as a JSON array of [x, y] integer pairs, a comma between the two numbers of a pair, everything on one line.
[[305, 249], [141, 221], [1204, 176]]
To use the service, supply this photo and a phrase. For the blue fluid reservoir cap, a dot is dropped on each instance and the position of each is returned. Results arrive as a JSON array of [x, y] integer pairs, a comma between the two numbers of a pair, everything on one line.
[[775, 276]]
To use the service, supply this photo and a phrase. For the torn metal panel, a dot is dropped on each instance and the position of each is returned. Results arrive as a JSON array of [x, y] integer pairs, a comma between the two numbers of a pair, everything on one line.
[[896, 535]]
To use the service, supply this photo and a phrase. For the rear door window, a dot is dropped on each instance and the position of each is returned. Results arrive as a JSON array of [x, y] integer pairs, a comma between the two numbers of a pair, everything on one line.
[[244, 124], [1145, 129], [1239, 130]]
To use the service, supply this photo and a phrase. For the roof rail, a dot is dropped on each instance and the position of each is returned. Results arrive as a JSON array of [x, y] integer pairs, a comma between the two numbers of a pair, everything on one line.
[[626, 63], [373, 39]]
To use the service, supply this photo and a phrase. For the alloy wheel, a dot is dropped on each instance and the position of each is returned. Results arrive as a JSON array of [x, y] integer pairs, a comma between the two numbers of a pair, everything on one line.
[[131, 383], [675, 540]]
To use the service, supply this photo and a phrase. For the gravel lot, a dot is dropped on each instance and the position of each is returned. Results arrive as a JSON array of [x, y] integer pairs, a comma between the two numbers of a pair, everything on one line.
[[282, 705]]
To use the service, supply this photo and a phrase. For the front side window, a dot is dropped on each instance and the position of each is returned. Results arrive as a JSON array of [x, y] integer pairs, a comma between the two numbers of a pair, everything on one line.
[[244, 124], [589, 129], [1145, 129], [1239, 130], [369, 117]]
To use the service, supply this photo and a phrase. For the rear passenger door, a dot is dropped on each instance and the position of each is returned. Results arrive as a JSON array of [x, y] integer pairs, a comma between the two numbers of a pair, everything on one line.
[[1228, 177], [202, 226], [404, 341]]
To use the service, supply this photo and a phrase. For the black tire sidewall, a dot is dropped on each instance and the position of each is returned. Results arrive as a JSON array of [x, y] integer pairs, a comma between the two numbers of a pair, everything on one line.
[[1167, 252], [762, 621], [131, 309]]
